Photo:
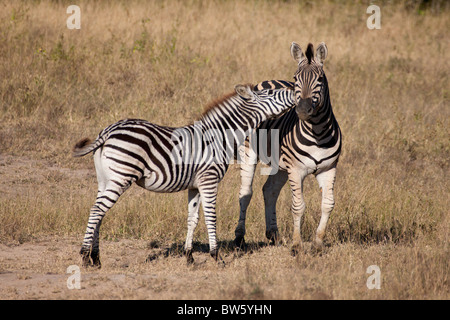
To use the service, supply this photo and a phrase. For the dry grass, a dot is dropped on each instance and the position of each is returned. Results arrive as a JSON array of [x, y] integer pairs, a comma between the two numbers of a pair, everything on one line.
[[164, 61]]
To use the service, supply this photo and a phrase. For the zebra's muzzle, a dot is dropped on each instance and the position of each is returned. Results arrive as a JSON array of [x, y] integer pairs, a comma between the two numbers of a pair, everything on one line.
[[304, 109]]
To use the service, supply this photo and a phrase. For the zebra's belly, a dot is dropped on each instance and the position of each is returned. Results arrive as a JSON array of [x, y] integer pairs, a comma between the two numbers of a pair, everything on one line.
[[158, 182]]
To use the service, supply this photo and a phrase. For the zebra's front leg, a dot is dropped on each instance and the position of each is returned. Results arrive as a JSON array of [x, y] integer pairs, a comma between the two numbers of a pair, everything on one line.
[[271, 191], [193, 207], [208, 195], [326, 183], [245, 195], [298, 208]]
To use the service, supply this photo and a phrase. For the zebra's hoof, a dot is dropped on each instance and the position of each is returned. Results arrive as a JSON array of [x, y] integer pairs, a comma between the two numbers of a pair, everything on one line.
[[239, 242], [90, 259], [272, 236], [189, 257], [95, 257], [216, 256]]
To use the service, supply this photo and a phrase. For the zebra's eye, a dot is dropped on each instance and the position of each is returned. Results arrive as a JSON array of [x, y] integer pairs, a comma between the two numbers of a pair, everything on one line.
[[270, 92], [320, 79]]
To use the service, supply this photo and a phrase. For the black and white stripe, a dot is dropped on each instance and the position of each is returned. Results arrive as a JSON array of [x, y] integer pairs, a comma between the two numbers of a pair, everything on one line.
[[166, 159], [309, 143]]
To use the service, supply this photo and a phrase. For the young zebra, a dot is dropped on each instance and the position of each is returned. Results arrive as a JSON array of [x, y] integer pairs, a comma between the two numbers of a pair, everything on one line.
[[310, 143], [165, 159]]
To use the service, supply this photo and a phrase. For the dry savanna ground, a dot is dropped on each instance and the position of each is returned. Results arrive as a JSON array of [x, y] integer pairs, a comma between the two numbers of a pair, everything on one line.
[[164, 61]]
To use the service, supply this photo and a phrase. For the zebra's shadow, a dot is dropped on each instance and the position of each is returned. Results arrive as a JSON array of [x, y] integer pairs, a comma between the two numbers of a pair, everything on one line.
[[227, 249]]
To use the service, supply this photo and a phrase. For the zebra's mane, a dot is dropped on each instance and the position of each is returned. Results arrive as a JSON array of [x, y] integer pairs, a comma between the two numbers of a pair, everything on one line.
[[273, 84], [217, 102], [309, 52]]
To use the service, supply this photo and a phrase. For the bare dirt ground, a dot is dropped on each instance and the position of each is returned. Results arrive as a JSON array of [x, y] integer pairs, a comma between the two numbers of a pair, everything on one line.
[[38, 270]]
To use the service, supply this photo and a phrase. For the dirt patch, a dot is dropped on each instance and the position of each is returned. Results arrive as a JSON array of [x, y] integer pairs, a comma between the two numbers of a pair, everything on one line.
[[42, 269]]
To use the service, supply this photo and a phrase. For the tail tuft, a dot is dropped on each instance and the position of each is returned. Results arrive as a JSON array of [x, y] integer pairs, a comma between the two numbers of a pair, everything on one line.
[[82, 147]]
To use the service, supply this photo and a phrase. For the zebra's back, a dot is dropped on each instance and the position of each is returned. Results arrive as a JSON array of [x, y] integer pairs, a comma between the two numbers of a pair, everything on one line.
[[143, 151]]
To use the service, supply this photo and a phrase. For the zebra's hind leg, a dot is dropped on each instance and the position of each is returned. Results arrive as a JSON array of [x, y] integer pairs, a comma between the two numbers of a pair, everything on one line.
[[271, 191], [90, 250]]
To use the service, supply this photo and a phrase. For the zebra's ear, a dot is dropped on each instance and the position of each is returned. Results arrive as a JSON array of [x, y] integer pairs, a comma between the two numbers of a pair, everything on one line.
[[244, 91], [296, 52], [321, 52]]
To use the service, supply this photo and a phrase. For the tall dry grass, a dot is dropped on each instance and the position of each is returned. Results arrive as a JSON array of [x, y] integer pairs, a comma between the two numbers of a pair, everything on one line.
[[164, 60]]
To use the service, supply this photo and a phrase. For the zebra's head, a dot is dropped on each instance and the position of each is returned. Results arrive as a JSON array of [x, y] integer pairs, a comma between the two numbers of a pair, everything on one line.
[[269, 102], [310, 80]]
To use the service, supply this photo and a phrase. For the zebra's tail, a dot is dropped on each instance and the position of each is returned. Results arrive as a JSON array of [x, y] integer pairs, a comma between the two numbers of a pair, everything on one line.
[[84, 146]]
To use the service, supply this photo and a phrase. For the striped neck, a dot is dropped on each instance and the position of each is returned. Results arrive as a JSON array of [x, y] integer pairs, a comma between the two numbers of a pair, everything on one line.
[[229, 115]]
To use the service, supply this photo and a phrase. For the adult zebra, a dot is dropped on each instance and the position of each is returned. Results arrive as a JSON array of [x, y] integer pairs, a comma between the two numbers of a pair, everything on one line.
[[165, 159], [309, 143]]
